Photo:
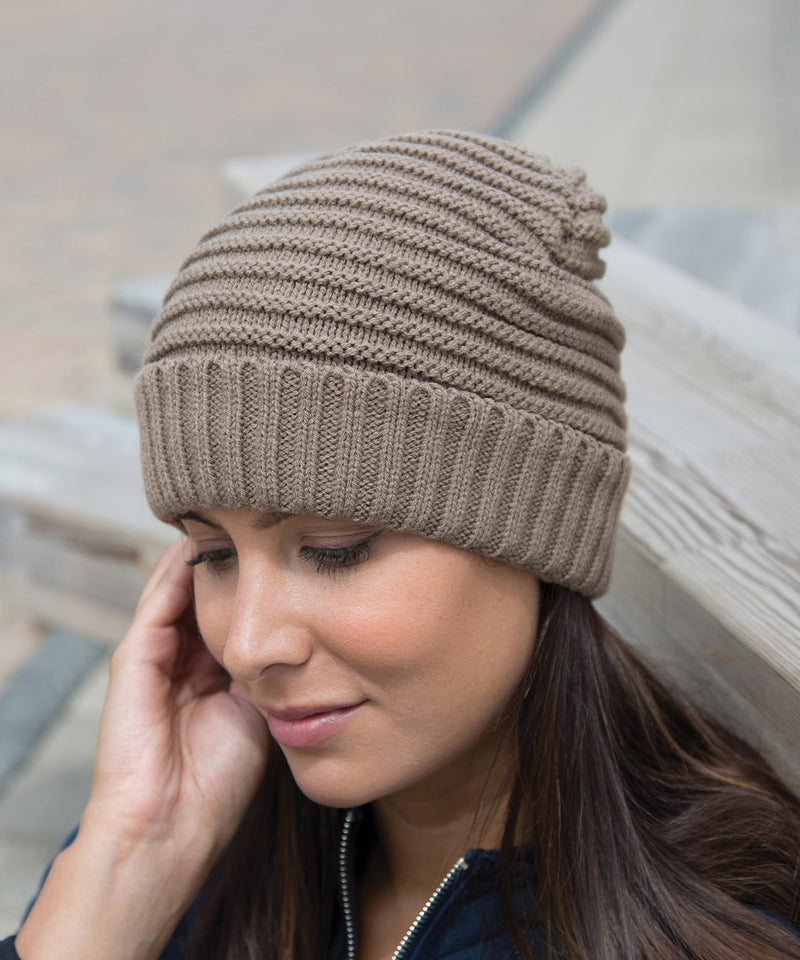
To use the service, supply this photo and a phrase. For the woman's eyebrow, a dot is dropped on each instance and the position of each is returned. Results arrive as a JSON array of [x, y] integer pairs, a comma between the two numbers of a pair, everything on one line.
[[265, 520], [191, 515], [262, 522]]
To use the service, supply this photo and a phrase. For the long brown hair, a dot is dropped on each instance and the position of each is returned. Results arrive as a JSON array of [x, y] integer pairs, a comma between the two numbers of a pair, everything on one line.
[[657, 834]]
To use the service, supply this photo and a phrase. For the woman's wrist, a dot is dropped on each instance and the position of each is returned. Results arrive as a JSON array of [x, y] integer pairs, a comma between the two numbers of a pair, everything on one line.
[[110, 897]]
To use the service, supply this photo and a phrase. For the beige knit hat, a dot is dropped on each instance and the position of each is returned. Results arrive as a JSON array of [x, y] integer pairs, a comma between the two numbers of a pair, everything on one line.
[[403, 333]]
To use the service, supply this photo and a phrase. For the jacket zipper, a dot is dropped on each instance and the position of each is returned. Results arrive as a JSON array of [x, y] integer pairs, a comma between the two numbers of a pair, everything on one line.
[[344, 883], [458, 866], [344, 880]]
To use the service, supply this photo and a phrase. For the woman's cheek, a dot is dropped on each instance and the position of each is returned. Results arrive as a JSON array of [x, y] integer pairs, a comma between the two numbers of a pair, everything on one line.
[[389, 617], [380, 644]]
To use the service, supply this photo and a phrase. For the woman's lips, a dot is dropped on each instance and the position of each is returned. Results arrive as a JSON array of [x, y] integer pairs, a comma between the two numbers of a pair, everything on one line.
[[300, 728]]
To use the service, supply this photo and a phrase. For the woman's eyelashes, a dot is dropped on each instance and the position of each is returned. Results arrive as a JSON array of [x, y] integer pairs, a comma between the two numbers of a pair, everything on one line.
[[216, 560], [337, 559], [329, 560]]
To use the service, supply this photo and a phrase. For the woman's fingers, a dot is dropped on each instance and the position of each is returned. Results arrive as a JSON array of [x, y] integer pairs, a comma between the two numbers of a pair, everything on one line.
[[169, 588], [171, 737], [179, 547], [163, 630]]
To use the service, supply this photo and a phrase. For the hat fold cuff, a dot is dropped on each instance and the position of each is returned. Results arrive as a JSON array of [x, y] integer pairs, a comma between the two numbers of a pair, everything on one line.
[[379, 448]]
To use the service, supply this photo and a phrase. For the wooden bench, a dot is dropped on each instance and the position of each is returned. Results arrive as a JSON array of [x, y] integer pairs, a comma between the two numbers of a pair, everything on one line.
[[707, 577]]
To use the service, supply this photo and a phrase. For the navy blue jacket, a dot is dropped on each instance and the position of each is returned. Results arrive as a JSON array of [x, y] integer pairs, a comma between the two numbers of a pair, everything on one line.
[[462, 920], [465, 922]]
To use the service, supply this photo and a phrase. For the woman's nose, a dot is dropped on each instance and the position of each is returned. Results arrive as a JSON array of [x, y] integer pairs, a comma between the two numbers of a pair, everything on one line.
[[266, 629]]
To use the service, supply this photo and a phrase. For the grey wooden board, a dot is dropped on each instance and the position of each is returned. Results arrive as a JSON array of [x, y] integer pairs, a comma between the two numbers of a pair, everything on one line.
[[708, 575], [77, 538], [81, 463], [752, 254], [688, 643], [65, 574]]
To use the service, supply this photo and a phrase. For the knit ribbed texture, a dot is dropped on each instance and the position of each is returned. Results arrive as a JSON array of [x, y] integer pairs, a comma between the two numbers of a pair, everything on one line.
[[404, 333]]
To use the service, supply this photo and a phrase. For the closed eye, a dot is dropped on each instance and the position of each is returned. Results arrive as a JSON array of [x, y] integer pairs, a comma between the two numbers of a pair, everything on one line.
[[216, 560], [337, 559]]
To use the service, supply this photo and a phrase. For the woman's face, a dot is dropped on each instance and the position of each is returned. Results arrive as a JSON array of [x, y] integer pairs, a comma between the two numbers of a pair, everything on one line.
[[382, 661]]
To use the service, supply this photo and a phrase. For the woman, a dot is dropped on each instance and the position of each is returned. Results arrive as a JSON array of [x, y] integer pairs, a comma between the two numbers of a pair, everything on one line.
[[382, 405]]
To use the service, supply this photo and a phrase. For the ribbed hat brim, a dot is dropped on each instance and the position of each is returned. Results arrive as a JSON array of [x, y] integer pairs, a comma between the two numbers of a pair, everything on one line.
[[269, 433]]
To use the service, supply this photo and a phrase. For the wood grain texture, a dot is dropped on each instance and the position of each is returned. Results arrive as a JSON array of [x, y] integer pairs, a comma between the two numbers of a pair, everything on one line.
[[77, 539], [707, 579]]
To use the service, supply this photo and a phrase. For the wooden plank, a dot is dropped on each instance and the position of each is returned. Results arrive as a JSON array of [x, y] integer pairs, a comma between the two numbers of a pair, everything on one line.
[[80, 465], [671, 625], [708, 563], [77, 539]]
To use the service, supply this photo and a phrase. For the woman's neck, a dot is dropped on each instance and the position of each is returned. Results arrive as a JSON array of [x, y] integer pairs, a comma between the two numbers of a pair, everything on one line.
[[421, 832]]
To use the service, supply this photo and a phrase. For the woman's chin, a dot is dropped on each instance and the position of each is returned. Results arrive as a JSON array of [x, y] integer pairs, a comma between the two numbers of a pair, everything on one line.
[[343, 796], [334, 785]]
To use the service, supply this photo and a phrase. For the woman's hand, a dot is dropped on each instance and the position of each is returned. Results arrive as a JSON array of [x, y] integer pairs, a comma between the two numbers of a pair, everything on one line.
[[177, 754], [178, 761]]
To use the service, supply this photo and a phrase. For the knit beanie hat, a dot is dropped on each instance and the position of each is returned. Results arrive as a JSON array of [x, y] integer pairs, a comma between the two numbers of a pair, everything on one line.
[[404, 333]]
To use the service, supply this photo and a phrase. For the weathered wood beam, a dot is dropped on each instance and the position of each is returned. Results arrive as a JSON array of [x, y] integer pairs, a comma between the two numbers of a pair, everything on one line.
[[707, 579], [76, 537]]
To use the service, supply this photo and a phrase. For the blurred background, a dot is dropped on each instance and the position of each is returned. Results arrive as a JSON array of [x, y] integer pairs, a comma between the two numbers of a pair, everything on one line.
[[117, 117], [128, 128]]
